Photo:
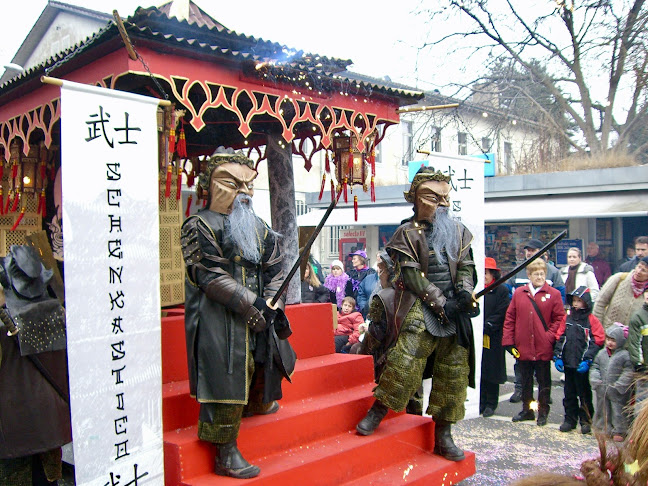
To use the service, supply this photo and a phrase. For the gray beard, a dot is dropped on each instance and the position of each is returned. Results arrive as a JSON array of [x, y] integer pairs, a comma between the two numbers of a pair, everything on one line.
[[444, 237], [241, 228]]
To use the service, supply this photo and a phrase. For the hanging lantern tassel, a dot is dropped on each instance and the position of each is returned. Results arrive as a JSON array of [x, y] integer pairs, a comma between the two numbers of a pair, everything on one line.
[[14, 170], [6, 208], [14, 206], [167, 189], [332, 191], [191, 177], [344, 188], [43, 170], [182, 144], [172, 141], [19, 219], [355, 207], [41, 203], [327, 162], [1, 169], [179, 185], [189, 201], [322, 187], [373, 189], [1, 203]]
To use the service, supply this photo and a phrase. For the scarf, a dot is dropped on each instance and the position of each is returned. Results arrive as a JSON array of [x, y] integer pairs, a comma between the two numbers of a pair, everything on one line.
[[637, 287], [570, 283], [337, 285]]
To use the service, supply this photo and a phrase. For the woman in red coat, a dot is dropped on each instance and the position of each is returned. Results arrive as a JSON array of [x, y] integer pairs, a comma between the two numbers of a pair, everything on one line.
[[529, 335]]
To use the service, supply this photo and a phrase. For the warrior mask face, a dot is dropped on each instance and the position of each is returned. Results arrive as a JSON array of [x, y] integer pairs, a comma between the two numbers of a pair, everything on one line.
[[227, 181], [429, 196]]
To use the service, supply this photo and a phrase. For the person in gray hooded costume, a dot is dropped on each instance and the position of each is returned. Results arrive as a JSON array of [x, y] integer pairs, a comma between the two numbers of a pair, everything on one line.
[[611, 378]]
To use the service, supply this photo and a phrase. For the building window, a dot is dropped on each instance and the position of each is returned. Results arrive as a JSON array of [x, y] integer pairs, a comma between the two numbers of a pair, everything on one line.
[[408, 141], [508, 157], [300, 207], [334, 241], [462, 140], [486, 144], [435, 139]]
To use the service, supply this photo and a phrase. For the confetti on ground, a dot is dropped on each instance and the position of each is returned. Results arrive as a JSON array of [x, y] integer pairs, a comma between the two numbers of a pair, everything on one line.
[[506, 451]]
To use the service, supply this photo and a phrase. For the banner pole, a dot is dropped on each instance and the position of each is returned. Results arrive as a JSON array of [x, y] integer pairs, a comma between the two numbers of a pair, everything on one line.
[[59, 82]]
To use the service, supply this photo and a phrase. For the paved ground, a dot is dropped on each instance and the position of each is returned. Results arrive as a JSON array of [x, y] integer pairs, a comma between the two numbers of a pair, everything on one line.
[[507, 451]]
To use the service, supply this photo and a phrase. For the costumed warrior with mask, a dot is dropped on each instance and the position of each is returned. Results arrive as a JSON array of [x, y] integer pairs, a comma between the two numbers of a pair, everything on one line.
[[236, 345], [434, 262]]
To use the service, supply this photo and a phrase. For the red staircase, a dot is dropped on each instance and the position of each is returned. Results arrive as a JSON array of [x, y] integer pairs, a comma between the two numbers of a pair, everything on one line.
[[312, 439]]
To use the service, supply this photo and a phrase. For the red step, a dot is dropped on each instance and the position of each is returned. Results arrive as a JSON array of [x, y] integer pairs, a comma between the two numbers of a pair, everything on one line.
[[311, 439], [312, 377], [297, 423], [346, 457], [312, 326], [423, 469]]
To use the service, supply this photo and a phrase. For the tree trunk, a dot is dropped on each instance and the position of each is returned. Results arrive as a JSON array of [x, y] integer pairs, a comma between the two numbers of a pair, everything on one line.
[[281, 182]]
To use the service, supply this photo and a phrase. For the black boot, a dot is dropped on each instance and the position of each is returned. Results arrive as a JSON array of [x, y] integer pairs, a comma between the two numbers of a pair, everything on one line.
[[443, 443], [230, 462], [369, 424]]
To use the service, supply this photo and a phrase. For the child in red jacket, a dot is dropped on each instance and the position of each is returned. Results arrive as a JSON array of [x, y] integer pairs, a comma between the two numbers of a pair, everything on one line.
[[347, 332], [578, 339]]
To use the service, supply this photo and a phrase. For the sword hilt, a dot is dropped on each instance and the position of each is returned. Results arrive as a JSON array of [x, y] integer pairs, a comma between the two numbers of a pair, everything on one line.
[[12, 330]]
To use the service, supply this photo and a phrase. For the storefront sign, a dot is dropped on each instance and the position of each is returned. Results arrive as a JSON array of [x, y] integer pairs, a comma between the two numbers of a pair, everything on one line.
[[112, 284], [563, 246]]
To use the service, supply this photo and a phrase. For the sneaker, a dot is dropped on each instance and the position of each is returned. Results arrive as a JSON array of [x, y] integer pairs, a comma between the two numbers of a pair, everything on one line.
[[516, 397], [566, 426], [525, 415], [586, 429], [542, 420], [488, 412]]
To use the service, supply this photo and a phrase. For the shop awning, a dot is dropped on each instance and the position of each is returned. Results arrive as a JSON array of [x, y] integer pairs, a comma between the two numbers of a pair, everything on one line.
[[367, 216], [560, 207], [547, 208]]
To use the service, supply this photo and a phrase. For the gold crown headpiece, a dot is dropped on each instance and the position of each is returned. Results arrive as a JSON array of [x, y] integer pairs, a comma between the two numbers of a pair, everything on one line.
[[424, 174]]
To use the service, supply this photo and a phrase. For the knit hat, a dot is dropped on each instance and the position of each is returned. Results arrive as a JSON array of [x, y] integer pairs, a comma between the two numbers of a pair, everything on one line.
[[337, 263]]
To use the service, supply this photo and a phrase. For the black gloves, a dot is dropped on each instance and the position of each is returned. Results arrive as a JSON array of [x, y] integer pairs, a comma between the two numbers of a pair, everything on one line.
[[268, 313], [451, 308], [465, 300]]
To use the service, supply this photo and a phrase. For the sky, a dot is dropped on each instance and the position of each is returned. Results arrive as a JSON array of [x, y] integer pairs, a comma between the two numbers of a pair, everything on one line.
[[380, 37]]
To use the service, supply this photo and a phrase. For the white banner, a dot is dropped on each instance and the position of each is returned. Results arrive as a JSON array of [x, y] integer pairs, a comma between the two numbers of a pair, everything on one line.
[[466, 204], [112, 284]]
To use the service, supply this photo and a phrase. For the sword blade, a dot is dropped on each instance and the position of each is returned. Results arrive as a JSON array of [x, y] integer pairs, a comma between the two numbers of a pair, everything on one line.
[[522, 265]]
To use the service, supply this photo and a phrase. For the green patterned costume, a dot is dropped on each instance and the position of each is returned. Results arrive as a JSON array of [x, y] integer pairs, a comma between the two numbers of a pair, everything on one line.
[[425, 330]]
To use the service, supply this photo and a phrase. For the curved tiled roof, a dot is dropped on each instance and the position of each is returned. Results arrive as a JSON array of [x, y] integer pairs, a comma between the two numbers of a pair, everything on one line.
[[204, 35]]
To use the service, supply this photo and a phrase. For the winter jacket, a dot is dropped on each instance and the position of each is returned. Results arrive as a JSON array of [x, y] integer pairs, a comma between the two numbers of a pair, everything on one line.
[[523, 327], [584, 277], [601, 267], [579, 336], [612, 374], [616, 302], [348, 325], [310, 294], [493, 361], [365, 290], [637, 343]]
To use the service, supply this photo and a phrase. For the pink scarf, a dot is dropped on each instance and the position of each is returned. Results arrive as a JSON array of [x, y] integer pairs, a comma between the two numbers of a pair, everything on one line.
[[637, 287]]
